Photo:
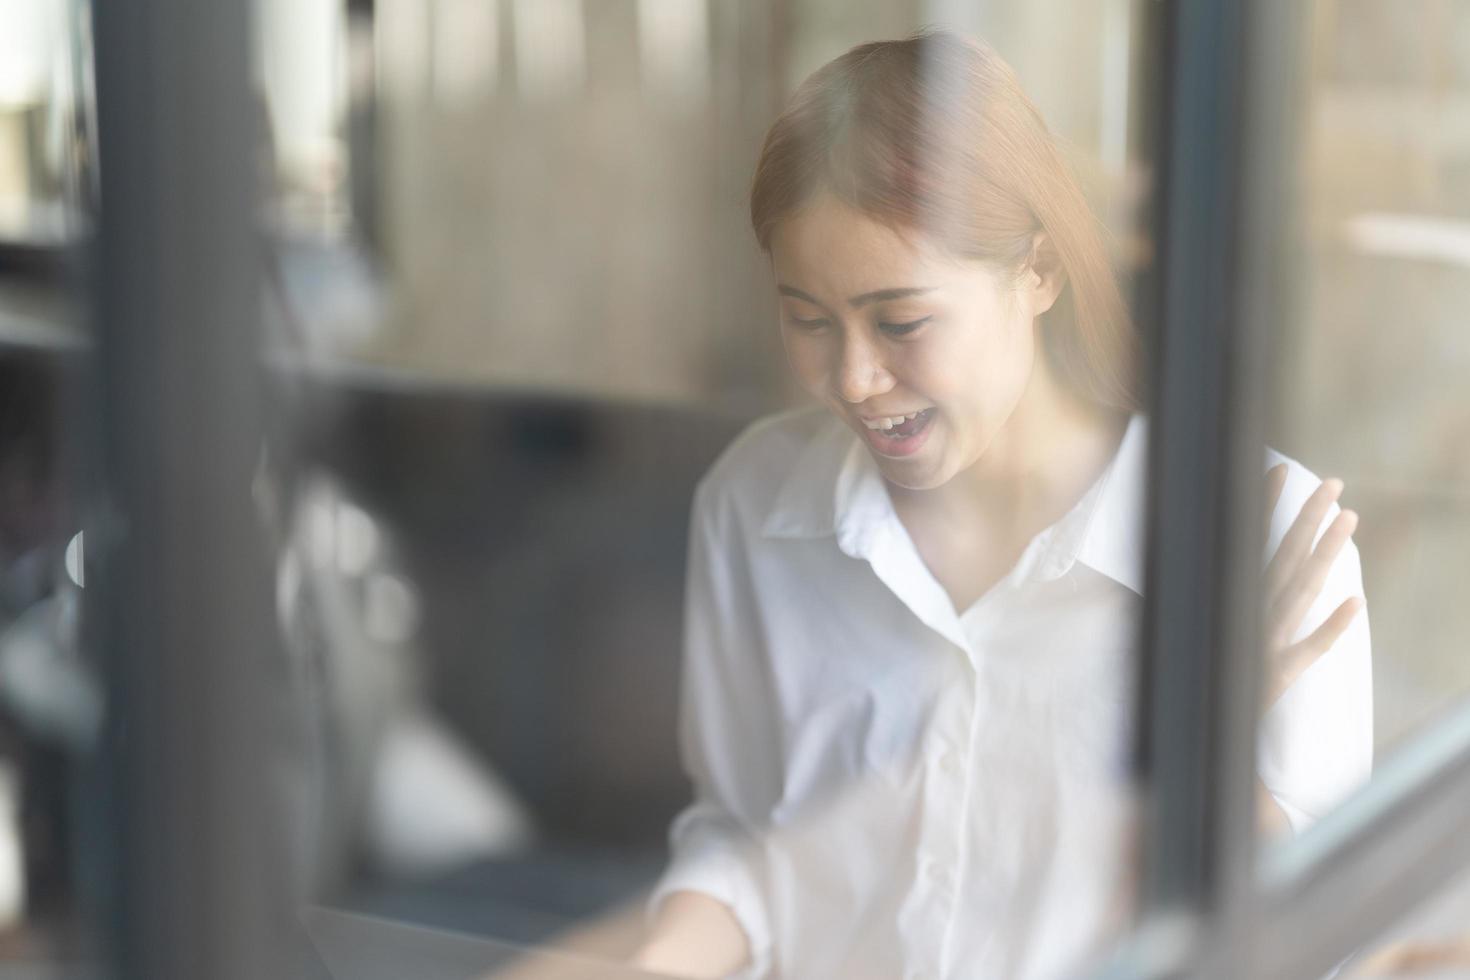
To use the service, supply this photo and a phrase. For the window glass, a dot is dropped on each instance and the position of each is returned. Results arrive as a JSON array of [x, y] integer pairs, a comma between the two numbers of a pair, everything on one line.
[[50, 695], [45, 107], [693, 545], [600, 541], [303, 76], [1368, 388], [1430, 940]]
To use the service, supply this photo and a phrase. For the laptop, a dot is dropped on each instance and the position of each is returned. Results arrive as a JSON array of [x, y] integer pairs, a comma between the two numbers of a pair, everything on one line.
[[365, 947]]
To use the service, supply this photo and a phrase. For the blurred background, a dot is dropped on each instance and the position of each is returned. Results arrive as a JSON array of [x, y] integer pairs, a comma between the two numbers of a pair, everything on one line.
[[1372, 377], [513, 310]]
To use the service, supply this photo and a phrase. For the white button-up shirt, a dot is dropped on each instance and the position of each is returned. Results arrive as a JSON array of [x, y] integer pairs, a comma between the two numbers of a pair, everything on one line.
[[888, 787]]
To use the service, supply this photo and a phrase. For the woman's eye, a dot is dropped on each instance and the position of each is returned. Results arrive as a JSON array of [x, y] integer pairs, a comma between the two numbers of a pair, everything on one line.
[[807, 323], [899, 329]]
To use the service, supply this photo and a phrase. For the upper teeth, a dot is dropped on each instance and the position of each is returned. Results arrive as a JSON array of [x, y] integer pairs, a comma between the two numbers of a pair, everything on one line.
[[890, 421]]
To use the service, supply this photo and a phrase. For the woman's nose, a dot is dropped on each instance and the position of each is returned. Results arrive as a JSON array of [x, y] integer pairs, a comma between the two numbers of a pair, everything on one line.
[[860, 372]]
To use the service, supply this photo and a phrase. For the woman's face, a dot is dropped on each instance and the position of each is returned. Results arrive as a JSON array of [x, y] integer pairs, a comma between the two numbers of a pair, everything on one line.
[[880, 326]]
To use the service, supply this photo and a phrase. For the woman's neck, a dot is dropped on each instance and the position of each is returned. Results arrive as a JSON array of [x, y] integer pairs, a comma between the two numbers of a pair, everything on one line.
[[1048, 453]]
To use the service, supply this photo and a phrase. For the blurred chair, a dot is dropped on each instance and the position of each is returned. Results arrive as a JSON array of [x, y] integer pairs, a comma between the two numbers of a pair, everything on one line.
[[545, 539]]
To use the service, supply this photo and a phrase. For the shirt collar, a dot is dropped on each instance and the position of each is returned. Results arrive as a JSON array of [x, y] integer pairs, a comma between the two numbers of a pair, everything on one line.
[[835, 488], [1114, 540], [806, 503]]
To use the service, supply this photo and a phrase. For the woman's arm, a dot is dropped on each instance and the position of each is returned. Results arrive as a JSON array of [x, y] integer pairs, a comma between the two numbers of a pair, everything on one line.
[[1271, 820], [708, 914], [694, 936]]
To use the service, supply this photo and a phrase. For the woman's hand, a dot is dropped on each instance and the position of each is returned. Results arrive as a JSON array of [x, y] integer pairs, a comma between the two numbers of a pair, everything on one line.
[[694, 936], [1294, 579]]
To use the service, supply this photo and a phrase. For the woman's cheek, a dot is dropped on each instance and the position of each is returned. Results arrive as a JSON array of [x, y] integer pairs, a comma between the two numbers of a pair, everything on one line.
[[808, 362], [934, 369]]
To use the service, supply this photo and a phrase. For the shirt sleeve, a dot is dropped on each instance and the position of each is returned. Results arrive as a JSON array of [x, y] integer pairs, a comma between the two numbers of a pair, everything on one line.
[[1316, 742], [727, 739]]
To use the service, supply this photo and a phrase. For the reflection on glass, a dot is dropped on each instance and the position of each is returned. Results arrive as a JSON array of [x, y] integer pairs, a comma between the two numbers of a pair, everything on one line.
[[1369, 374], [912, 609], [909, 611], [920, 762]]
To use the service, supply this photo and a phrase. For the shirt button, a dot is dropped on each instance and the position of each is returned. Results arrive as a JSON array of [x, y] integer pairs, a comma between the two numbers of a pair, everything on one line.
[[949, 764]]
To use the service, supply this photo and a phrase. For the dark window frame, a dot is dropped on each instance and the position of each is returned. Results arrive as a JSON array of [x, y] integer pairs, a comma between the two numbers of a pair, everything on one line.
[[1215, 902]]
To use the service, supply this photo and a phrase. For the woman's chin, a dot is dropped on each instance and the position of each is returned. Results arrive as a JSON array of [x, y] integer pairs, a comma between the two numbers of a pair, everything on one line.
[[911, 473]]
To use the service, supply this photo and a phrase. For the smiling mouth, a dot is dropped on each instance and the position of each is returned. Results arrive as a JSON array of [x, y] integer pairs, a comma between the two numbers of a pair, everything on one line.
[[908, 427]]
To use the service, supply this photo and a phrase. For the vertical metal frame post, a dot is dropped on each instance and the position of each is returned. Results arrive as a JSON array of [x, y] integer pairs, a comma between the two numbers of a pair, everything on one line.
[[1205, 477], [1230, 116], [1201, 666], [178, 607]]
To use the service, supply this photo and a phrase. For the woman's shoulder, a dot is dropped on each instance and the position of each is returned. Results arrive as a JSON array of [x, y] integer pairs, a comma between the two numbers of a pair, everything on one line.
[[1301, 482], [749, 473]]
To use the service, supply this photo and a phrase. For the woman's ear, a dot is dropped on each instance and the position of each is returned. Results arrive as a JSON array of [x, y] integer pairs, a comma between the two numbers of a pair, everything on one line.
[[1043, 276]]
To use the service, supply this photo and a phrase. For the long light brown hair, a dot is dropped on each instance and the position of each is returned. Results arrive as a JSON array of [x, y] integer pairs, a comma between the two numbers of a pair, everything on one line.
[[933, 134]]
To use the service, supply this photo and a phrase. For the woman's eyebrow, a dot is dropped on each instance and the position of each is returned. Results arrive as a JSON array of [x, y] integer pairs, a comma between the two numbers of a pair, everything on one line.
[[863, 299], [880, 295]]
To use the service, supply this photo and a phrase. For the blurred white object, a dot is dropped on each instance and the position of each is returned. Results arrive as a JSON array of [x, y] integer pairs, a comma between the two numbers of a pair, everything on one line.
[[12, 864], [43, 682], [1411, 236], [390, 608], [76, 560], [550, 46], [432, 806], [674, 48], [466, 49], [33, 34], [378, 771]]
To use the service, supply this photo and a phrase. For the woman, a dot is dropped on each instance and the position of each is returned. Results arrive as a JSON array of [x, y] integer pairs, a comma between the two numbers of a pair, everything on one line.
[[910, 613]]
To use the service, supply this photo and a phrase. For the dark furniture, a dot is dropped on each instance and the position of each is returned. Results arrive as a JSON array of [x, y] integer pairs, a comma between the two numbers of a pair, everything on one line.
[[547, 539]]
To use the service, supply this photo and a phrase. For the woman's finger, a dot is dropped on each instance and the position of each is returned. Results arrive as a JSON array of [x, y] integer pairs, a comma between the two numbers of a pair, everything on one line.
[[1275, 481], [1296, 545], [1294, 661], [1284, 615]]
